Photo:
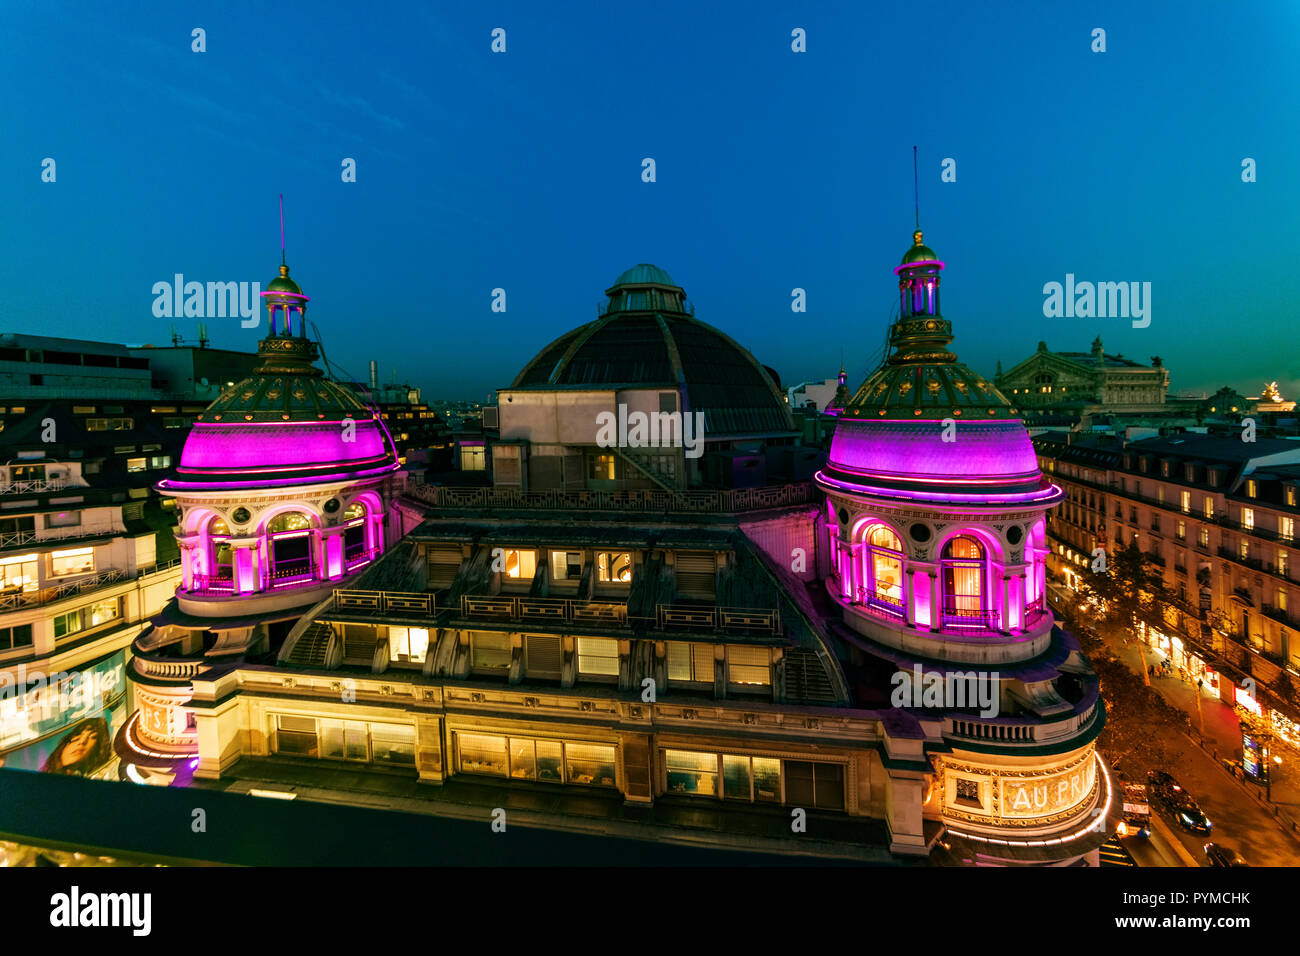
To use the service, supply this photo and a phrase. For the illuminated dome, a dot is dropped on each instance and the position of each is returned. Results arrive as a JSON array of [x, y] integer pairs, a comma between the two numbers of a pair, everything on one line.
[[285, 424], [890, 438], [648, 337]]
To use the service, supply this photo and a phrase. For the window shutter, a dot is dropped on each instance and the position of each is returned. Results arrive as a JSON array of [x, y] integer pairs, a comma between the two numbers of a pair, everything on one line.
[[697, 573], [443, 565], [542, 655]]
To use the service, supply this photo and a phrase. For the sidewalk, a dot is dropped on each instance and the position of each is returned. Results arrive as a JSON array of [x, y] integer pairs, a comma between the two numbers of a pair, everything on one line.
[[1219, 731]]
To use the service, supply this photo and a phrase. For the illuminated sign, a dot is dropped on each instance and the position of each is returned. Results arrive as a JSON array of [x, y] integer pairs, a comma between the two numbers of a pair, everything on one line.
[[1049, 794]]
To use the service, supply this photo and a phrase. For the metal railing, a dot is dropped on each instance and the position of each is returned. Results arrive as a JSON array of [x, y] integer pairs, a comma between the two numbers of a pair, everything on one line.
[[17, 539], [212, 583], [668, 617], [359, 558], [383, 602], [20, 599], [729, 501], [32, 486]]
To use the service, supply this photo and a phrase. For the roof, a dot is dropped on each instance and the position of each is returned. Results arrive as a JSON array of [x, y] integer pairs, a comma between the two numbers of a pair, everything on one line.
[[1213, 447], [648, 338]]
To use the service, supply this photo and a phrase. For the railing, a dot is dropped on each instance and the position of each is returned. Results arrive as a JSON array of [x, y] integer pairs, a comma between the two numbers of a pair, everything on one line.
[[33, 486], [20, 599], [675, 617], [1036, 607], [881, 603], [291, 572], [384, 602], [175, 669], [730, 501], [668, 617], [212, 584], [976, 620], [17, 539], [359, 558]]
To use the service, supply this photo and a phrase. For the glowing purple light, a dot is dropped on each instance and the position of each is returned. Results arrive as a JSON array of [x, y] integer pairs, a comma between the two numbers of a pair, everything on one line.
[[227, 447], [1045, 495], [983, 452]]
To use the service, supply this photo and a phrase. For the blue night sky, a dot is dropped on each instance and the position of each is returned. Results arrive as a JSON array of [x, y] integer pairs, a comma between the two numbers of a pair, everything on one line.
[[775, 170]]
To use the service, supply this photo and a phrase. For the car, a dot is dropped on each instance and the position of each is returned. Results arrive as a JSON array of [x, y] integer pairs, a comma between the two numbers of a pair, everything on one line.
[[1220, 855], [1164, 787], [1189, 816]]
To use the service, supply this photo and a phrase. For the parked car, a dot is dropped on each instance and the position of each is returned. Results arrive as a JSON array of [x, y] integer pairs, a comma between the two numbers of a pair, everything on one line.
[[1220, 855], [1163, 787]]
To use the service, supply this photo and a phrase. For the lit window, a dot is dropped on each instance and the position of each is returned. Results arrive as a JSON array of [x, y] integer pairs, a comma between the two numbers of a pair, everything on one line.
[[614, 567], [883, 568], [78, 561], [473, 458], [1285, 528], [963, 578], [519, 565], [489, 651], [135, 464], [1209, 507], [18, 573], [1252, 488], [749, 665], [1281, 563], [408, 644], [692, 663], [1248, 519], [566, 565], [1187, 502], [601, 467], [597, 656]]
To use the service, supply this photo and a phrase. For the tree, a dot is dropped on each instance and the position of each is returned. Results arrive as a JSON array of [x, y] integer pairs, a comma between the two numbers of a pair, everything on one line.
[[1128, 592]]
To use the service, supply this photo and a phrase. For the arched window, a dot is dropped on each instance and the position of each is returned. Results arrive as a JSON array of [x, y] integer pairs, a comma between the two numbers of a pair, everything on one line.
[[354, 536], [221, 556], [963, 580], [289, 547], [882, 569]]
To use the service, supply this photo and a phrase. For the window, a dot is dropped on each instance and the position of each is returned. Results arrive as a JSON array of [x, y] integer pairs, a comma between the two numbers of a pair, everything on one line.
[[408, 645], [296, 735], [85, 618], [518, 565], [692, 663], [883, 568], [691, 772], [1187, 502], [1203, 537], [597, 657], [110, 424], [1248, 519], [83, 409], [1281, 599], [1244, 549], [1209, 507], [20, 635], [354, 740], [18, 573], [614, 567], [591, 764], [473, 458], [566, 566], [160, 461], [749, 665], [1285, 528], [542, 656], [819, 785], [63, 519], [77, 561], [490, 652], [135, 465], [289, 543], [963, 578], [1182, 531], [392, 744], [173, 421], [600, 467], [1281, 563], [1252, 488], [1290, 495], [1164, 468], [1160, 494]]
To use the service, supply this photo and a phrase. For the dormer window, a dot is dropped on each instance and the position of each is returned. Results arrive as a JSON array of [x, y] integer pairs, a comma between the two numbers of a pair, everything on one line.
[[1252, 488]]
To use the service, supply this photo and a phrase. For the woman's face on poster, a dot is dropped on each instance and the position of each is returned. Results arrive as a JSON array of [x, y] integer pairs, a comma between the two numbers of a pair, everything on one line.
[[78, 746]]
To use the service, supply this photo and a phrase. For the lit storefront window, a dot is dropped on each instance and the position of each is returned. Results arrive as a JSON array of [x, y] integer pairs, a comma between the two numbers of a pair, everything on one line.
[[77, 561], [546, 761]]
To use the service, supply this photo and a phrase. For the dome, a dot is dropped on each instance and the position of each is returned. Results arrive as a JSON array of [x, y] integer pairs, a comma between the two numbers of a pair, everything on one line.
[[282, 283], [648, 337], [919, 252], [285, 424]]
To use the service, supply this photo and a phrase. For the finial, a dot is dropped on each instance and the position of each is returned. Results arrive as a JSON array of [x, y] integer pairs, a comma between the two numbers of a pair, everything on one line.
[[916, 238], [283, 270]]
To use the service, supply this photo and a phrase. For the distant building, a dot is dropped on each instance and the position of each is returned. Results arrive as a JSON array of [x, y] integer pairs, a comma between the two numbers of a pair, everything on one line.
[[1075, 384]]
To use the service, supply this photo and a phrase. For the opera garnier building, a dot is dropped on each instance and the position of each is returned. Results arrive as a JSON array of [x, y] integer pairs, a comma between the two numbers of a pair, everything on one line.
[[663, 618]]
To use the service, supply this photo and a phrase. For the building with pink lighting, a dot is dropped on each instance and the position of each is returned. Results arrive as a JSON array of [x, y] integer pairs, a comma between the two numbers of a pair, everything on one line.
[[283, 492], [604, 643]]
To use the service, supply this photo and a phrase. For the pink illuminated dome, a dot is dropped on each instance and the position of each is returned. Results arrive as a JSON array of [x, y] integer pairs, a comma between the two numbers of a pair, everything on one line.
[[923, 426], [286, 424]]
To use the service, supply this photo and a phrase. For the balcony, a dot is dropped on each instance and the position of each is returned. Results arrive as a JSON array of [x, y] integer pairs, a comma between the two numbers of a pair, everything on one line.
[[20, 539], [15, 600], [560, 612], [384, 603], [358, 557], [32, 486], [730, 501], [881, 604], [219, 583]]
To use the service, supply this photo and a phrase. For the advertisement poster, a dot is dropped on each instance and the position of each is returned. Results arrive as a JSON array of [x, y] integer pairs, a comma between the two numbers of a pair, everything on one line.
[[65, 723]]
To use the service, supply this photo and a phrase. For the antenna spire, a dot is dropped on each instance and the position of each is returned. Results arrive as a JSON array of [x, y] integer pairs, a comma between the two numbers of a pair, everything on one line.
[[916, 191], [282, 228]]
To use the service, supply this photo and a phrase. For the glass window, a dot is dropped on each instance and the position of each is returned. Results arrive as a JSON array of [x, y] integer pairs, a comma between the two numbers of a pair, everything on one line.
[[354, 510], [489, 651], [1248, 518], [883, 567], [77, 561], [482, 754], [736, 782], [566, 565], [819, 785], [1285, 528], [767, 780], [520, 565], [18, 573], [393, 744], [523, 759], [598, 656], [590, 764], [748, 665], [614, 567], [600, 467], [63, 519], [692, 773], [550, 761], [135, 464], [473, 458], [1281, 563], [690, 662], [408, 644], [289, 521], [963, 576], [20, 635], [296, 735], [343, 740]]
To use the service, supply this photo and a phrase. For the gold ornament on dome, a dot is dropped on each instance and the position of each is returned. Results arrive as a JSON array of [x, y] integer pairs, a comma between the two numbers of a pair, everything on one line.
[[983, 386], [299, 394], [879, 388], [933, 386], [273, 394], [904, 388], [247, 396], [961, 387]]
